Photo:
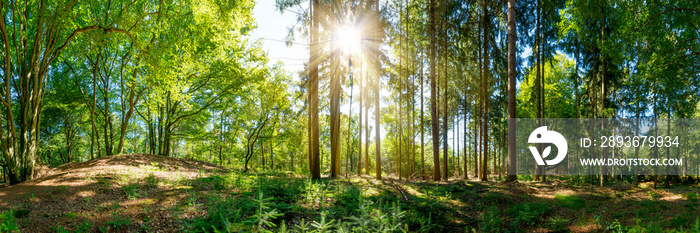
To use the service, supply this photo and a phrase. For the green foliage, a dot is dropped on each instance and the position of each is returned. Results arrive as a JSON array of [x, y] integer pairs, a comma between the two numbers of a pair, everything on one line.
[[132, 191], [569, 201], [323, 225], [84, 227], [349, 211], [152, 180], [691, 196], [528, 214], [117, 221], [557, 224], [560, 90], [71, 215], [348, 201], [8, 223], [60, 229], [491, 220], [87, 201], [654, 195], [212, 182], [264, 215]]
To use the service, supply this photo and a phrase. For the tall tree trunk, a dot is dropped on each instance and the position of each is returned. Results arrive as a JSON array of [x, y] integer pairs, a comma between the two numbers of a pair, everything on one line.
[[315, 165], [668, 150], [133, 100], [362, 94], [445, 100], [367, 124], [377, 69], [466, 148], [433, 95], [538, 87], [542, 80], [413, 115], [512, 39], [401, 77], [335, 111], [485, 91], [604, 70], [350, 142], [477, 132], [422, 127]]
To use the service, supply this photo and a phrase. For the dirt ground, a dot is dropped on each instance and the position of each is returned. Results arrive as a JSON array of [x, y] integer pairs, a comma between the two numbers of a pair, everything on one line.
[[71, 194]]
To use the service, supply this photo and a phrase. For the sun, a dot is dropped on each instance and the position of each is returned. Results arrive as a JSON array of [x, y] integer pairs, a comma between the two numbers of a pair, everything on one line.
[[349, 40]]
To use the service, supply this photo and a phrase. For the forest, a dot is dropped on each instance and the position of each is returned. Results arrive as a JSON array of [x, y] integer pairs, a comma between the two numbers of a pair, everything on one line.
[[170, 116]]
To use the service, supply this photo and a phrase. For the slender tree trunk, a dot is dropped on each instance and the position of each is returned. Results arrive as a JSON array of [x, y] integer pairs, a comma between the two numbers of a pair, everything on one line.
[[335, 112], [402, 74], [477, 133], [512, 38], [315, 167], [377, 69], [445, 102], [466, 147], [133, 100], [603, 176], [542, 80], [485, 91], [362, 95], [367, 127], [422, 127], [433, 96], [636, 149], [350, 142], [412, 136], [538, 87], [668, 150]]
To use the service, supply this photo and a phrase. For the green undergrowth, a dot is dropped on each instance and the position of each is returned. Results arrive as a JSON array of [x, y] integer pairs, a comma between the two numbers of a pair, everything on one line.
[[279, 203], [282, 202], [8, 222], [274, 204]]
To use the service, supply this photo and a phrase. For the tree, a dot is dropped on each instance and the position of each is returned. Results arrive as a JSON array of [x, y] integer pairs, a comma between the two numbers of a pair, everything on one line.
[[433, 95], [314, 155], [376, 68], [512, 38], [31, 45]]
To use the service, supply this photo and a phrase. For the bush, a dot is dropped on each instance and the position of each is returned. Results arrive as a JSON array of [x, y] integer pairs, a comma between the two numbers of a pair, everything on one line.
[[529, 213], [691, 196], [557, 224], [490, 220], [131, 191], [348, 202], [8, 223]]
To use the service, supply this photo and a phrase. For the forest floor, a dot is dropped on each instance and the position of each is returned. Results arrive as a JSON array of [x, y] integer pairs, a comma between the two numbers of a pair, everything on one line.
[[149, 193]]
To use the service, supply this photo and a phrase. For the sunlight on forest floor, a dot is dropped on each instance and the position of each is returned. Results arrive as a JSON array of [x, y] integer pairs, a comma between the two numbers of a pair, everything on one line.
[[138, 193]]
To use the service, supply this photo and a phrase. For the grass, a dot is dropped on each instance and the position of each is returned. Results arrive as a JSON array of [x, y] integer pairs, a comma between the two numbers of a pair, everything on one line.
[[569, 201], [132, 191], [117, 221], [557, 224], [84, 227], [282, 202]]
